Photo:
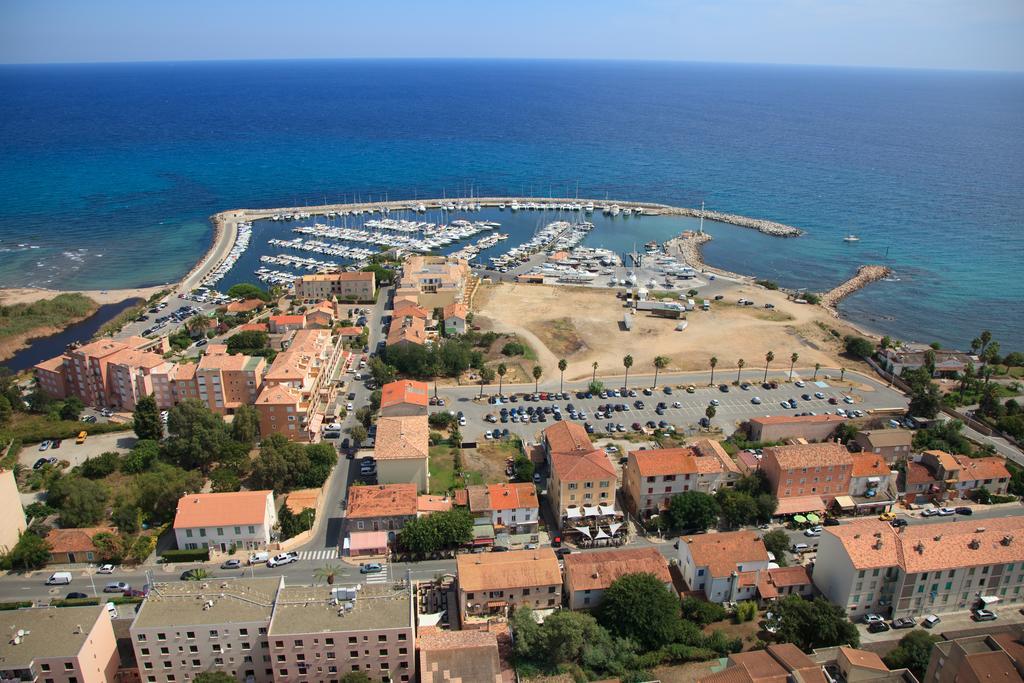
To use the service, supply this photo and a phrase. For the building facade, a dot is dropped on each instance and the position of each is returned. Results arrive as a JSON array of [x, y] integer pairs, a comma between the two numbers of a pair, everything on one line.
[[59, 644], [589, 575], [242, 519], [496, 583], [348, 286], [821, 470], [725, 566]]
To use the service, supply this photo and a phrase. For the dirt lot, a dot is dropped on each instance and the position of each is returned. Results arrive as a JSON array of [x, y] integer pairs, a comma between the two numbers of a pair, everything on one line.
[[584, 325]]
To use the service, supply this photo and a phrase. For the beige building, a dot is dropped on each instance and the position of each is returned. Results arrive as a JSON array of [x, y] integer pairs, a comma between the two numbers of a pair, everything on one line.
[[867, 566], [433, 281], [58, 645], [402, 451], [819, 470], [237, 519], [404, 397], [496, 583], [583, 478], [350, 286], [783, 427], [651, 478], [978, 659], [589, 575], [463, 656], [223, 382], [12, 514], [727, 566], [891, 444]]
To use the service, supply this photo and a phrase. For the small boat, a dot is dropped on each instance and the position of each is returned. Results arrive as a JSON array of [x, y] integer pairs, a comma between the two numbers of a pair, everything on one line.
[[851, 238]]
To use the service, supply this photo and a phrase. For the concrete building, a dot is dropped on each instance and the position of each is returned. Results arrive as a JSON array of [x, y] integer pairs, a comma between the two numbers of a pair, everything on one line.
[[433, 281], [407, 330], [322, 314], [461, 656], [937, 476], [783, 427], [583, 478], [387, 507], [511, 508], [401, 451], [279, 324], [651, 478], [978, 659], [873, 486], [403, 398], [892, 444], [818, 470], [59, 645], [588, 575], [780, 662], [976, 473], [725, 566], [455, 318], [496, 583], [224, 382], [348, 286], [12, 514], [947, 363], [241, 519], [322, 633], [866, 566], [781, 582]]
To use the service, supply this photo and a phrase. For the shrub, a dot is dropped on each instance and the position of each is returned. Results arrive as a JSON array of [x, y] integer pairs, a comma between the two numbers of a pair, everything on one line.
[[746, 611], [197, 555], [701, 611], [101, 465], [15, 605], [513, 348]]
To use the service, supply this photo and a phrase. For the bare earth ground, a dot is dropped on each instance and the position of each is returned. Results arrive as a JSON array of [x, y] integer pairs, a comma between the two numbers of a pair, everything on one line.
[[23, 295], [584, 325]]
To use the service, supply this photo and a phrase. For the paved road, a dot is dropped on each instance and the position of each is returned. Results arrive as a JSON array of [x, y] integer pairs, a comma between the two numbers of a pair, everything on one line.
[[734, 407]]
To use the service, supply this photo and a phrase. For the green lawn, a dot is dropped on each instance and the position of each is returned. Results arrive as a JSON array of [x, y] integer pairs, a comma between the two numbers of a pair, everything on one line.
[[442, 471]]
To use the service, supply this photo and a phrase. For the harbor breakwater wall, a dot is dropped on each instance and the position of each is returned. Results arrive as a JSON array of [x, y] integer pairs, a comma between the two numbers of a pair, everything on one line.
[[864, 277]]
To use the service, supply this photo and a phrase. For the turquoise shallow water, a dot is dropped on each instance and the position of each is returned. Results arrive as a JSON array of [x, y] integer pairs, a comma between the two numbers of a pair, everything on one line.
[[112, 170]]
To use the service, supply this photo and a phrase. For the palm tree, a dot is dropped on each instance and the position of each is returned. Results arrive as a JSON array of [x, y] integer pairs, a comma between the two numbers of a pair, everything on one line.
[[710, 413], [817, 366], [842, 374], [627, 362], [486, 377], [768, 358], [562, 365], [198, 324], [739, 368], [792, 361], [501, 376], [327, 573], [198, 575], [713, 362], [660, 363], [537, 372], [594, 378]]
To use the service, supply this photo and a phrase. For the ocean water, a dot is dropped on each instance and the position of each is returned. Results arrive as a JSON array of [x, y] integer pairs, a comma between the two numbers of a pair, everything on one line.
[[109, 172]]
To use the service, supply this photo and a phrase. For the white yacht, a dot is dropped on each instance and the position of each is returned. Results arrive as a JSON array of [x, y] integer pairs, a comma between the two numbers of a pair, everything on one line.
[[851, 238]]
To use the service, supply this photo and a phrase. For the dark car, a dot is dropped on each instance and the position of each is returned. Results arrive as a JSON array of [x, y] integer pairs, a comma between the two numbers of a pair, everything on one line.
[[831, 521], [668, 390], [899, 522], [904, 622], [39, 463], [76, 596], [964, 511], [724, 388], [55, 444], [878, 627]]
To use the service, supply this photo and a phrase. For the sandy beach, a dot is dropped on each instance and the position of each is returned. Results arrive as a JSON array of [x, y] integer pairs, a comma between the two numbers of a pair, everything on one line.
[[26, 295]]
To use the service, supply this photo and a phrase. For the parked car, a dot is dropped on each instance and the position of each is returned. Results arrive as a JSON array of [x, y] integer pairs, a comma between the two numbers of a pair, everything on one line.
[[878, 627], [946, 512], [964, 511], [983, 615], [231, 564], [899, 523], [904, 622], [116, 587], [930, 621], [105, 569], [74, 595], [283, 559], [872, 619], [39, 463], [370, 568]]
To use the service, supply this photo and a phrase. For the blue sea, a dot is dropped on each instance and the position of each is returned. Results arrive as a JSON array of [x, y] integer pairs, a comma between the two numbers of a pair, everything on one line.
[[108, 173]]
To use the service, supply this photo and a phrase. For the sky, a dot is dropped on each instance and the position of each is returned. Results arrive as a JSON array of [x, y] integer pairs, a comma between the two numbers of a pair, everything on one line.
[[944, 34]]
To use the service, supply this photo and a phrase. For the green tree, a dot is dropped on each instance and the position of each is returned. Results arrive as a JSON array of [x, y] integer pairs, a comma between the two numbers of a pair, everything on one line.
[[562, 365], [381, 372], [82, 502], [322, 458], [358, 434], [30, 552], [513, 348], [627, 362], [660, 363], [501, 376], [942, 436], [768, 358], [100, 466], [5, 410], [109, 547], [245, 426], [738, 509], [158, 490], [845, 432], [127, 517], [523, 468], [146, 418], [199, 438], [72, 408], [247, 341], [713, 363], [858, 346], [225, 480], [701, 612], [437, 531], [691, 511], [537, 372], [566, 635], [813, 624], [594, 376], [792, 362], [709, 412], [817, 367], [486, 377], [280, 464], [913, 653], [197, 325], [142, 456], [198, 574], [641, 608], [926, 401], [739, 369], [245, 290], [777, 543]]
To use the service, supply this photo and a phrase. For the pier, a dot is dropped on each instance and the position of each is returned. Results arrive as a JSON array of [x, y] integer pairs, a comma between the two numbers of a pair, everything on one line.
[[864, 277]]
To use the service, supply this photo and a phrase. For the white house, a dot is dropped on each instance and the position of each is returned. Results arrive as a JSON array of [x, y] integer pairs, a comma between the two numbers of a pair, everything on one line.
[[243, 519], [726, 567], [507, 507]]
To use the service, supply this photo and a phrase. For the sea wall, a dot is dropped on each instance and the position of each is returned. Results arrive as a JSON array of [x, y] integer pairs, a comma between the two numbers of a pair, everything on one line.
[[864, 277]]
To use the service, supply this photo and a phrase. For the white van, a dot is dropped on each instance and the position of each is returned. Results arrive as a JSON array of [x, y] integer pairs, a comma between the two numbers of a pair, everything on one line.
[[259, 558], [59, 579], [111, 609]]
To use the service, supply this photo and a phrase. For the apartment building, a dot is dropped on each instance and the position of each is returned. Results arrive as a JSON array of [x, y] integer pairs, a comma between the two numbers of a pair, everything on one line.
[[240, 519], [433, 281], [387, 507], [782, 427], [869, 567], [820, 470], [496, 583], [59, 645], [873, 485], [322, 633], [936, 476], [727, 567], [223, 382], [279, 324], [583, 479], [947, 363], [401, 451], [511, 508], [348, 286], [589, 575], [978, 659], [651, 478], [892, 444], [107, 372], [404, 397], [12, 514], [781, 662], [297, 386], [976, 473]]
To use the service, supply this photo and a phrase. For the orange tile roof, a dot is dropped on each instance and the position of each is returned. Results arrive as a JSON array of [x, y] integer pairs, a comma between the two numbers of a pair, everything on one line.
[[469, 656], [288, 319], [947, 461], [404, 391], [223, 361], [74, 540], [513, 569], [455, 310], [402, 437], [863, 658], [137, 359], [709, 448], [222, 509], [962, 544], [511, 496], [350, 331], [869, 543], [592, 466], [183, 372], [977, 469], [343, 276], [244, 306], [277, 394], [101, 348], [665, 461], [596, 570], [303, 499], [722, 552], [796, 575], [886, 438], [809, 455], [217, 348], [427, 504], [869, 465], [387, 500], [796, 419], [405, 308], [567, 437], [917, 473], [412, 330], [253, 327], [53, 364]]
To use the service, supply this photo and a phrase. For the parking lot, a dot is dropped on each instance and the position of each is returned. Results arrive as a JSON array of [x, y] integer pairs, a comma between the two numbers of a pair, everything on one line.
[[173, 310], [683, 409], [76, 453]]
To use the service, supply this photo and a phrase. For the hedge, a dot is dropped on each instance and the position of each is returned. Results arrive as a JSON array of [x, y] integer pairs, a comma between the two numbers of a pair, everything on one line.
[[15, 605], [198, 555], [80, 602]]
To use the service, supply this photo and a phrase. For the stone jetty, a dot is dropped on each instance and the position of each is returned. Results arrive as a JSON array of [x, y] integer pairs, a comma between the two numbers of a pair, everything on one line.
[[864, 277]]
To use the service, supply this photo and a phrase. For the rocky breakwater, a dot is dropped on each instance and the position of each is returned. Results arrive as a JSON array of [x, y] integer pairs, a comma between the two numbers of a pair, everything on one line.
[[767, 227], [687, 246], [864, 277]]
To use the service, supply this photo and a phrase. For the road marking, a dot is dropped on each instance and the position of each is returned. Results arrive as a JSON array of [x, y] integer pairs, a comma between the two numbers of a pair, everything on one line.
[[328, 554], [379, 577]]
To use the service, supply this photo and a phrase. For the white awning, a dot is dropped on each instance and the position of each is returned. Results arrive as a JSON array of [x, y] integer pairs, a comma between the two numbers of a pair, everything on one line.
[[608, 509], [573, 513], [989, 599], [613, 527], [583, 530], [590, 510], [601, 534]]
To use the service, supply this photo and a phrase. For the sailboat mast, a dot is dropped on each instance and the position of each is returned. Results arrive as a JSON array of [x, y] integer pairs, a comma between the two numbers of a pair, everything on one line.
[[702, 216]]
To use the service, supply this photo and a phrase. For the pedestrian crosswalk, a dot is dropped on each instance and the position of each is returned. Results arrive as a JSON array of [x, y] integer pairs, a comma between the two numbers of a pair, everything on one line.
[[379, 577], [327, 554]]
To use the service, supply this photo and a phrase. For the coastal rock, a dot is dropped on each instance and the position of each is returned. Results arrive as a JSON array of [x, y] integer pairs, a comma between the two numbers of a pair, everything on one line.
[[865, 276]]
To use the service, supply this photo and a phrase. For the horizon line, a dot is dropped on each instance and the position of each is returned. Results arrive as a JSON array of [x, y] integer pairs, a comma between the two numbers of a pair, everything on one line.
[[610, 60]]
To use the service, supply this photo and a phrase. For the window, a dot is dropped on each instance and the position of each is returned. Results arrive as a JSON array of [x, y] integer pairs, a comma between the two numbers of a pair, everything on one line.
[[382, 638], [238, 531], [191, 635]]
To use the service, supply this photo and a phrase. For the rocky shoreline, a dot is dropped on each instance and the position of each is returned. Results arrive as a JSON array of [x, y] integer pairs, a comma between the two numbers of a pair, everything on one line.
[[688, 247], [865, 276]]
